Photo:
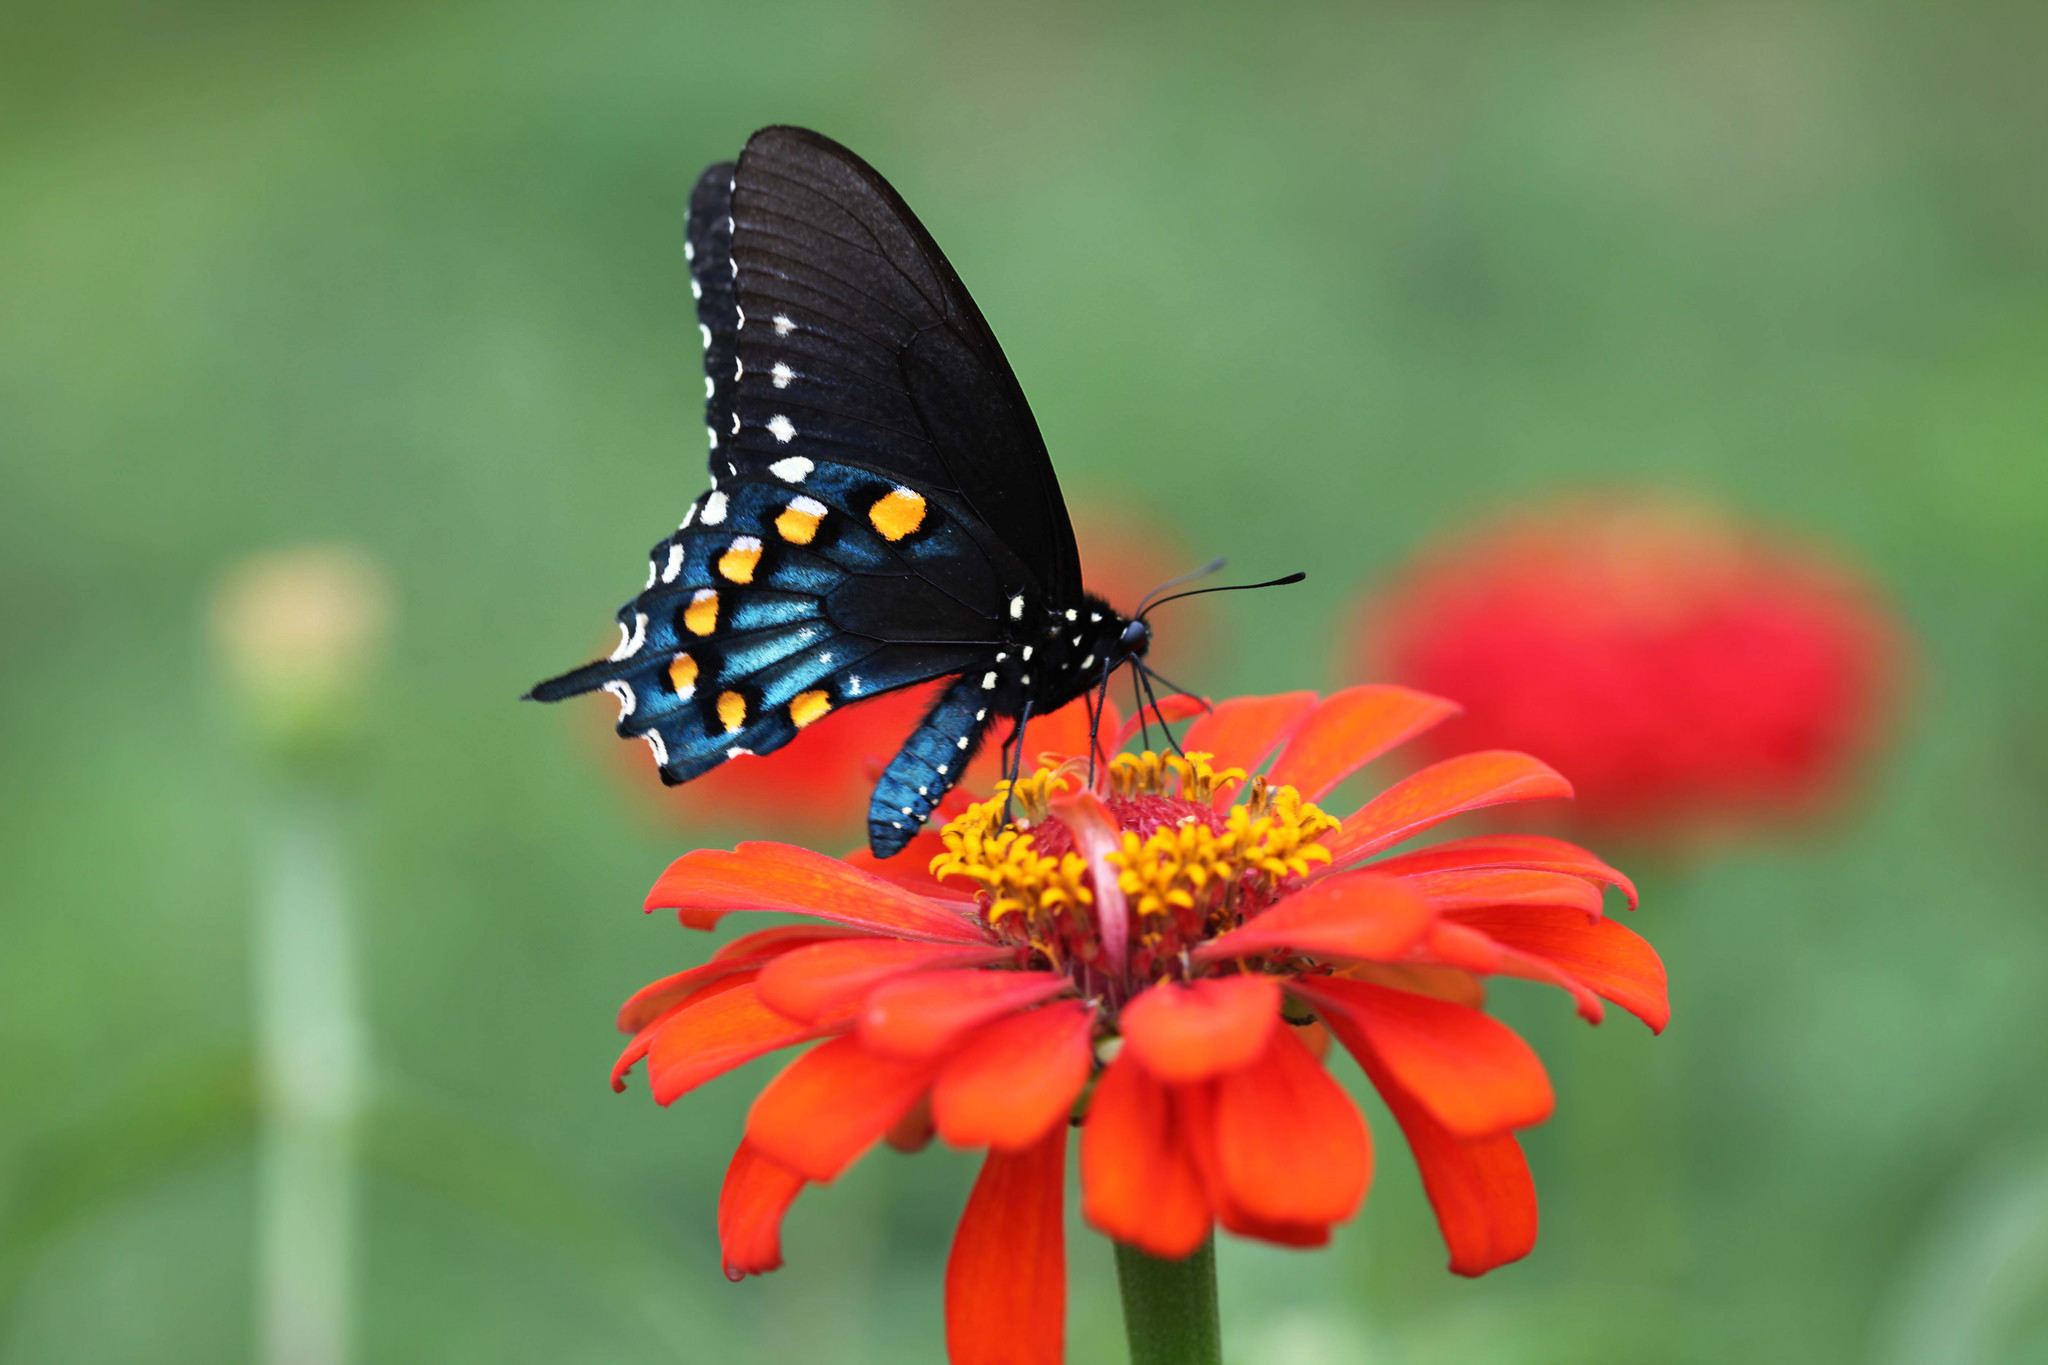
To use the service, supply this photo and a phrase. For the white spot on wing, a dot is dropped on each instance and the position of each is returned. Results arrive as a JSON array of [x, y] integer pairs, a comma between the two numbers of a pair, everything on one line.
[[736, 751], [689, 252], [630, 641], [708, 431], [660, 747], [783, 326], [675, 562], [854, 686], [714, 509], [790, 468], [1073, 615], [988, 681], [696, 289], [961, 742], [688, 517], [1088, 662], [624, 693], [735, 424], [782, 428], [810, 507], [710, 389], [1017, 607], [707, 335], [781, 374], [1027, 654], [741, 314], [650, 574]]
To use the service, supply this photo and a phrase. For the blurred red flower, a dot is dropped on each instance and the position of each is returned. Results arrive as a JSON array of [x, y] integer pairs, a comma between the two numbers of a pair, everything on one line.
[[1162, 956], [819, 782], [1687, 672]]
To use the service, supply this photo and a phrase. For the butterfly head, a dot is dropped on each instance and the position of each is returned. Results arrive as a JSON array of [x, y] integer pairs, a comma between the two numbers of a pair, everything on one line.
[[1136, 639]]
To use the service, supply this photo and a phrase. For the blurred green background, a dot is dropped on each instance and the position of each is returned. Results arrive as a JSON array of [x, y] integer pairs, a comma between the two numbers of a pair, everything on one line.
[[1308, 283]]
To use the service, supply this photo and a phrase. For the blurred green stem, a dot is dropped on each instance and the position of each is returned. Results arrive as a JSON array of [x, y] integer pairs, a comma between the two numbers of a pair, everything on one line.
[[1170, 1307], [310, 1054]]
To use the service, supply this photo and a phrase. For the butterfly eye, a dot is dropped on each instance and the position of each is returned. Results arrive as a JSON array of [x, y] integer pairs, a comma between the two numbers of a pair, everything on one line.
[[1136, 639]]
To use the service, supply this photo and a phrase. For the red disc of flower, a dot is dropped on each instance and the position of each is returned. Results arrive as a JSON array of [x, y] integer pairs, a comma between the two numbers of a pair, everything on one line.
[[1159, 956], [1684, 671], [820, 780]]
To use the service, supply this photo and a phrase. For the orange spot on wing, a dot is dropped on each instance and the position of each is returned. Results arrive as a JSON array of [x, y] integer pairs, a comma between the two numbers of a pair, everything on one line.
[[701, 616], [897, 513], [809, 706]]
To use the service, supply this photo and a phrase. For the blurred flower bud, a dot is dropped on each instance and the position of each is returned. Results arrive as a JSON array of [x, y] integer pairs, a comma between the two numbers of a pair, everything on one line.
[[1687, 672], [300, 633]]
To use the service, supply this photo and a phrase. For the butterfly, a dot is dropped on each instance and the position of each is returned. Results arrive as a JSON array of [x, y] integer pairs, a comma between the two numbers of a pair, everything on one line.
[[882, 509]]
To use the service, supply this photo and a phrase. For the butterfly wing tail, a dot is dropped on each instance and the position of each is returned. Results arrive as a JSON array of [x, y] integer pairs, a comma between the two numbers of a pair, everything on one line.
[[927, 766]]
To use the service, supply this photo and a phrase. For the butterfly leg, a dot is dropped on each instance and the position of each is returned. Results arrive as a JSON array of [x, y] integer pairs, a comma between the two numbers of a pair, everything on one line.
[[926, 767], [1013, 760]]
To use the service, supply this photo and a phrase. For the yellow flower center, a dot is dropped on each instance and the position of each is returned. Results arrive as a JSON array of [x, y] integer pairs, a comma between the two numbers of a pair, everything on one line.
[[1188, 871]]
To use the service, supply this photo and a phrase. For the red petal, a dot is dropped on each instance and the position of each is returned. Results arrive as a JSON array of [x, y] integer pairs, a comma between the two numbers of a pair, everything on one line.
[[1194, 1108], [1470, 1070], [1096, 836], [744, 953], [1452, 787], [1175, 708], [1605, 955], [812, 982], [831, 1104], [1351, 729], [911, 868], [1212, 1025], [1244, 731], [1474, 888], [1006, 1280], [756, 1195], [1291, 1146], [1485, 1201], [1442, 983], [708, 1038], [782, 877], [919, 1016], [1139, 1183], [1015, 1078], [1537, 852], [1358, 915], [1457, 946]]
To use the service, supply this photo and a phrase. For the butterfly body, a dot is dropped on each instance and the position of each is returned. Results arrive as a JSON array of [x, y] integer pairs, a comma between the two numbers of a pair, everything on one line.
[[882, 511]]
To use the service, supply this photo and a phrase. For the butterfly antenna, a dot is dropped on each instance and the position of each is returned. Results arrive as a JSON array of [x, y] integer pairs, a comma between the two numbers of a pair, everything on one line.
[[1213, 566], [1151, 603]]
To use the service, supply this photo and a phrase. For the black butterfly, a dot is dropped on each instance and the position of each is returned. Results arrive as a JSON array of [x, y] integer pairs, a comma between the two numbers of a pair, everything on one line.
[[882, 510]]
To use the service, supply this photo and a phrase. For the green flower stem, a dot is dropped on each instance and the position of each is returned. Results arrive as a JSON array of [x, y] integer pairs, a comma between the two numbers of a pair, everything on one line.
[[1170, 1307]]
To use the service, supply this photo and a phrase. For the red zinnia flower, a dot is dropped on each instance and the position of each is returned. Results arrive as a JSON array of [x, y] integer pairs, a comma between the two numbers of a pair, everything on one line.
[[1681, 669], [1162, 959]]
